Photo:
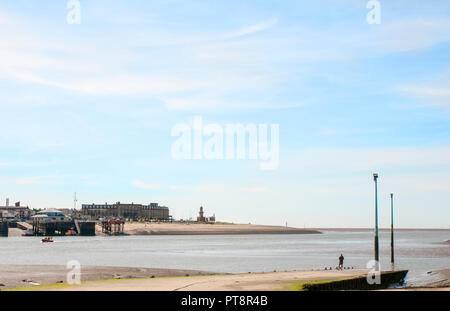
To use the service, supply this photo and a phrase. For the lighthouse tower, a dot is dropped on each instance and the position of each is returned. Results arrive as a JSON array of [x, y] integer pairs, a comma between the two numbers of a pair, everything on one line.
[[200, 217]]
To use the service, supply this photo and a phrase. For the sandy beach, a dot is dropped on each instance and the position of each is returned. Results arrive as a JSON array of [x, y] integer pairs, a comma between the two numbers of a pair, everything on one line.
[[443, 279], [14, 276], [53, 278], [442, 282], [269, 281], [445, 242], [139, 228]]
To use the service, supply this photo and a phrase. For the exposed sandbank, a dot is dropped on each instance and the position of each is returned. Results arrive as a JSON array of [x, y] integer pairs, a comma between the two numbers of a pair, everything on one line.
[[139, 228]]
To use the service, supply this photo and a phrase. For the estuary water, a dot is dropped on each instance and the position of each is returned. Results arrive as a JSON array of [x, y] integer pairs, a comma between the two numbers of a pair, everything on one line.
[[416, 251]]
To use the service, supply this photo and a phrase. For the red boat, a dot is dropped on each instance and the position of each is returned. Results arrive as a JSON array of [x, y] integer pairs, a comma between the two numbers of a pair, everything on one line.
[[47, 240]]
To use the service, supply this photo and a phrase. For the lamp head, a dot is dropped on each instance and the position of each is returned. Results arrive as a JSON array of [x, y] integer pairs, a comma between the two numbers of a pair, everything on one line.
[[375, 176]]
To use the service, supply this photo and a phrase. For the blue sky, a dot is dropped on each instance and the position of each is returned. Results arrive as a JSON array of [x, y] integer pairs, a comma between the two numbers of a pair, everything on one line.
[[90, 107]]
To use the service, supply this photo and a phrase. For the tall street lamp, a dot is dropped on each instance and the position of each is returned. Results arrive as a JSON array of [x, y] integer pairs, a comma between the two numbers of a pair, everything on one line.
[[375, 178]]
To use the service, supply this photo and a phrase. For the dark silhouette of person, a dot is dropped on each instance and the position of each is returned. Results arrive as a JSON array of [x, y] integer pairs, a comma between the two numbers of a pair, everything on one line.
[[341, 262]]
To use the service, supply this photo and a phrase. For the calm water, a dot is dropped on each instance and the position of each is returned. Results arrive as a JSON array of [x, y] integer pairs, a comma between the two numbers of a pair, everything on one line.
[[415, 250]]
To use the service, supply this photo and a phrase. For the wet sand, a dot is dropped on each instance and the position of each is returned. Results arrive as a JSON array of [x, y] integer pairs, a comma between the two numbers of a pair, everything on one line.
[[442, 282], [14, 276], [138, 228], [443, 277], [269, 281], [143, 279]]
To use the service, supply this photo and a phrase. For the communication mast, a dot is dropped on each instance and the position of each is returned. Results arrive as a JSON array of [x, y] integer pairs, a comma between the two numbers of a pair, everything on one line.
[[75, 200]]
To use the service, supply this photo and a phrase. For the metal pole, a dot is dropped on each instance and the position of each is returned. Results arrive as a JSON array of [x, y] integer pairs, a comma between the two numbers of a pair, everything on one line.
[[377, 259], [392, 228]]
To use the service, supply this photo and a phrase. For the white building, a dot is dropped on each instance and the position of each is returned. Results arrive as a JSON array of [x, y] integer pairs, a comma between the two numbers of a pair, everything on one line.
[[51, 215]]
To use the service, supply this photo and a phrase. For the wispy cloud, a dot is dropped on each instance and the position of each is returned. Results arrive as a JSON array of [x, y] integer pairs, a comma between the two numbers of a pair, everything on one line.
[[141, 185], [429, 91], [256, 189], [175, 187], [436, 96], [344, 160], [260, 190], [264, 25], [30, 180], [36, 180], [408, 34]]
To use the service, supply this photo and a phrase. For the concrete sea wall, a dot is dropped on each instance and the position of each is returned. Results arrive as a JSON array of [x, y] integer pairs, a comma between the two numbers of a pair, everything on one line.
[[387, 279]]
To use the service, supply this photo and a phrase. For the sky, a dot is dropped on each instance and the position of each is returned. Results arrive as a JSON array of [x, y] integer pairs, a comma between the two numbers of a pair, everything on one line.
[[90, 107]]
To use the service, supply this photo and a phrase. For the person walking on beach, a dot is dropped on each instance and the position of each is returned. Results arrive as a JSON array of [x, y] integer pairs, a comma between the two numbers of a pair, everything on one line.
[[341, 262]]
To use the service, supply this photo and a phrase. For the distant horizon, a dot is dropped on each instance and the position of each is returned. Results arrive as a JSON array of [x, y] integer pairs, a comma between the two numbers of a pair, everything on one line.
[[193, 218]]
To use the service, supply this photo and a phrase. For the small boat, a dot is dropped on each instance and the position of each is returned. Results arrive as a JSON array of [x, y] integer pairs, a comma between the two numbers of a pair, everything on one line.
[[47, 240], [29, 232]]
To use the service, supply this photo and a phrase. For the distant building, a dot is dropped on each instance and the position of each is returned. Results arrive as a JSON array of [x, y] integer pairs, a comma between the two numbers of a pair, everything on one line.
[[7, 215], [201, 216], [17, 210], [131, 211], [67, 211], [51, 215], [212, 218]]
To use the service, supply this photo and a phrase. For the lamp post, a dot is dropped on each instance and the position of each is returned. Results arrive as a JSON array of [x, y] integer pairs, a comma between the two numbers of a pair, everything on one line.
[[375, 178], [392, 228]]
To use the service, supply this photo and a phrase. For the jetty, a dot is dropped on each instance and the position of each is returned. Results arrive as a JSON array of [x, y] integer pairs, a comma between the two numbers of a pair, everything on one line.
[[113, 226], [24, 225], [41, 227]]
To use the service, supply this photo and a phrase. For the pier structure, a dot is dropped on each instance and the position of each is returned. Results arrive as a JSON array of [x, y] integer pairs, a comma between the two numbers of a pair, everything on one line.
[[113, 226], [41, 227], [84, 227], [24, 225]]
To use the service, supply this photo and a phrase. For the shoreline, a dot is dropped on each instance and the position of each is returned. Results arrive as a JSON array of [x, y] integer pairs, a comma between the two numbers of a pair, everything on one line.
[[138, 228], [443, 243], [30, 276], [103, 278], [193, 228], [148, 279]]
